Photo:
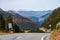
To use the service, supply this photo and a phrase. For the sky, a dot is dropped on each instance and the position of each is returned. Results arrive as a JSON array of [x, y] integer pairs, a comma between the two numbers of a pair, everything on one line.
[[36, 5]]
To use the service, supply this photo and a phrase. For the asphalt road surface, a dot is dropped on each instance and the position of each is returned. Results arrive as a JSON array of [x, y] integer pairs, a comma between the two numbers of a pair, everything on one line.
[[24, 36]]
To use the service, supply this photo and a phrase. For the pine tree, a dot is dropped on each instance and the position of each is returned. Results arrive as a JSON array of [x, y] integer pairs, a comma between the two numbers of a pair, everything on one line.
[[16, 28], [2, 23]]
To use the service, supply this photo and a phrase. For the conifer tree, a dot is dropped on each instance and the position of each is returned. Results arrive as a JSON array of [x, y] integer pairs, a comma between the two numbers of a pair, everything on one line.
[[2, 23]]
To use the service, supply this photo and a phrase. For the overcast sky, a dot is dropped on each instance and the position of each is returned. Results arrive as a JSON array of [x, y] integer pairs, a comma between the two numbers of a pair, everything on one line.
[[37, 5]]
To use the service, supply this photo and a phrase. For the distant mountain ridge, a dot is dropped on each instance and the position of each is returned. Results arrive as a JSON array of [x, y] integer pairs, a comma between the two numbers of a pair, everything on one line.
[[33, 13]]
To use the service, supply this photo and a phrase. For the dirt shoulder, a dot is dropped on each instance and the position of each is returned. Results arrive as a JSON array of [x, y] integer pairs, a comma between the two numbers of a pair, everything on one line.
[[55, 35]]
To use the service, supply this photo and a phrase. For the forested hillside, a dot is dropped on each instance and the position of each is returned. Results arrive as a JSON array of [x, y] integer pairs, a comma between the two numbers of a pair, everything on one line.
[[53, 19]]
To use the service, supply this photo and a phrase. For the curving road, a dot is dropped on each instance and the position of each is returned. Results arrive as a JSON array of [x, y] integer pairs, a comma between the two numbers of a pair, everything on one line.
[[23, 36]]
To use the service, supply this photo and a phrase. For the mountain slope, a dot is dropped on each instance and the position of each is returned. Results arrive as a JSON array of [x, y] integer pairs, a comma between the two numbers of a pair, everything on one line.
[[23, 22]]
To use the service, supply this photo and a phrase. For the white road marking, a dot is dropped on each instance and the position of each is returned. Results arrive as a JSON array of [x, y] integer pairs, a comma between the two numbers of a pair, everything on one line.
[[19, 37], [44, 37]]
